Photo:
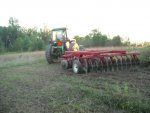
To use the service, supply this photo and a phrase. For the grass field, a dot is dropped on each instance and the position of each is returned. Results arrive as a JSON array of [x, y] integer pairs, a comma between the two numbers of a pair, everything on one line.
[[29, 85]]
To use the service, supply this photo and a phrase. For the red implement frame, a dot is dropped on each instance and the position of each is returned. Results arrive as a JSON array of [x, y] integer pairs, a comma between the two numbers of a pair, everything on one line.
[[101, 59]]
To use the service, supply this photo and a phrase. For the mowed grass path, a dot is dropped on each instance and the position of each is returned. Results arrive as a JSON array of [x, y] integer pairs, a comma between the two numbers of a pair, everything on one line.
[[30, 85]]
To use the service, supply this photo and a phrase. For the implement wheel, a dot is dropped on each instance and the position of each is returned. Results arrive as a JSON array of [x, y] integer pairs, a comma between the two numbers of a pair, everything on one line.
[[85, 65], [64, 64], [76, 66]]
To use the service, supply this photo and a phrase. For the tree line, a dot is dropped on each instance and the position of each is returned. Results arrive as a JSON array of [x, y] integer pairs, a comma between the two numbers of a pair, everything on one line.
[[17, 38], [96, 38]]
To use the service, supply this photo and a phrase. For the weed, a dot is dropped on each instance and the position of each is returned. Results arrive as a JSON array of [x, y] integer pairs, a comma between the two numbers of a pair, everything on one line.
[[145, 56]]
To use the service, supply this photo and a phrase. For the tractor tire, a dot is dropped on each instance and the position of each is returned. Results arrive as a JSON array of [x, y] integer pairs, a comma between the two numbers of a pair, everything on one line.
[[76, 67], [48, 54]]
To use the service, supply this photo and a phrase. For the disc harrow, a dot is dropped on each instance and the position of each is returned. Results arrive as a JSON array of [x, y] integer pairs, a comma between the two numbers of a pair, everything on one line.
[[99, 60]]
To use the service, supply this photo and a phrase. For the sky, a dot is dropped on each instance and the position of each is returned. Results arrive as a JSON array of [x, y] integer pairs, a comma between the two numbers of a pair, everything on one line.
[[127, 18]]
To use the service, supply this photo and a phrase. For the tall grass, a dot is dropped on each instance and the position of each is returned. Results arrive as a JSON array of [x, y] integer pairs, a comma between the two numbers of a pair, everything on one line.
[[116, 96], [145, 56], [122, 97]]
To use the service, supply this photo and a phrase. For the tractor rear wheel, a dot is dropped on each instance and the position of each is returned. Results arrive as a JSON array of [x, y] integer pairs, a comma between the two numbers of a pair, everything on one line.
[[48, 53]]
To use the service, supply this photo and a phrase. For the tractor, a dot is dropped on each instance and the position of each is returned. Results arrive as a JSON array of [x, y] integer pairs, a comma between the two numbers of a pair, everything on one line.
[[83, 61], [58, 44]]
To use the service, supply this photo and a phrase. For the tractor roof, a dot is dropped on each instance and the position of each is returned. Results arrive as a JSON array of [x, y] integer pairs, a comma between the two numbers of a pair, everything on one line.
[[58, 29]]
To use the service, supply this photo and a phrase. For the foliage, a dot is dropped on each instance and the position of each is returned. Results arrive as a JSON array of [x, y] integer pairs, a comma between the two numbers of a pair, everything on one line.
[[146, 44], [18, 44], [124, 98], [116, 41], [96, 38], [40, 44], [145, 56], [2, 49], [45, 35], [16, 38], [127, 42], [116, 95], [26, 44]]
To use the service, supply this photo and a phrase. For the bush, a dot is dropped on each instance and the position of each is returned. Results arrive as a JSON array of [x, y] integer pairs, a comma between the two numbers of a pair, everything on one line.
[[124, 98], [40, 44], [37, 44], [145, 56], [96, 38], [2, 47], [34, 45], [18, 44]]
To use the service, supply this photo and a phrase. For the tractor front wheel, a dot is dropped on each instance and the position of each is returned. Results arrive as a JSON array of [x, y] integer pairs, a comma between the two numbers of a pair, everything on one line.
[[48, 53]]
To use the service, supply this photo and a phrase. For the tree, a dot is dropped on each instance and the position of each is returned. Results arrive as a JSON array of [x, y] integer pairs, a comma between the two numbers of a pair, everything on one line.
[[2, 48], [40, 44], [12, 33], [79, 39], [45, 34], [98, 39], [13, 21], [117, 41], [26, 44], [18, 46], [17, 38], [87, 41]]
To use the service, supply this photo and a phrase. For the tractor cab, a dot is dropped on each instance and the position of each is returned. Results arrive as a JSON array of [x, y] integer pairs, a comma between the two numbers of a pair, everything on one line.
[[59, 38], [59, 43], [59, 34]]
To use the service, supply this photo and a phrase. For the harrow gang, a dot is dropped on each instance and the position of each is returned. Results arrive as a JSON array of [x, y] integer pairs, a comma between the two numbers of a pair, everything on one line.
[[99, 60]]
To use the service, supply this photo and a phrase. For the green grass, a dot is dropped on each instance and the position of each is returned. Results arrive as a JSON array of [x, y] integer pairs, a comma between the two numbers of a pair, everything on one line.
[[16, 63], [33, 86], [116, 96]]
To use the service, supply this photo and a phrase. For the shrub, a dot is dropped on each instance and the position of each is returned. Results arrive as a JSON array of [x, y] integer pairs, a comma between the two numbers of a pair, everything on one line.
[[34, 45], [18, 44], [37, 44], [122, 97], [145, 56], [40, 44], [2, 47], [26, 44]]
